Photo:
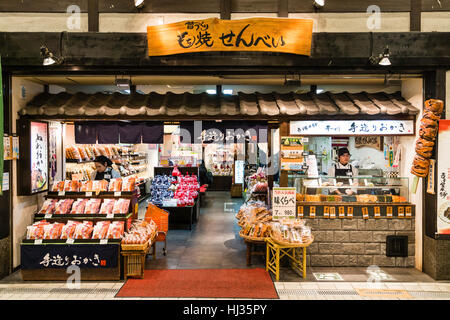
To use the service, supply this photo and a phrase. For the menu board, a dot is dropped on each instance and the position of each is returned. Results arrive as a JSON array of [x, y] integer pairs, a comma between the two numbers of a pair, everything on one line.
[[39, 156], [443, 179], [292, 153]]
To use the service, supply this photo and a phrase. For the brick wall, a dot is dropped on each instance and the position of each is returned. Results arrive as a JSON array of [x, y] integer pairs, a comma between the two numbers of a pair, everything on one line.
[[358, 242]]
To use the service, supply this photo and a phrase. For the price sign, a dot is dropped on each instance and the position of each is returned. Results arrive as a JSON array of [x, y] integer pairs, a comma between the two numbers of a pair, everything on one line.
[[326, 212], [376, 212], [110, 216], [408, 212], [349, 212], [89, 194], [401, 212], [341, 212], [283, 203], [70, 241], [61, 193], [103, 241], [365, 212], [312, 212], [389, 212], [117, 194], [48, 216], [300, 211], [332, 212], [38, 241]]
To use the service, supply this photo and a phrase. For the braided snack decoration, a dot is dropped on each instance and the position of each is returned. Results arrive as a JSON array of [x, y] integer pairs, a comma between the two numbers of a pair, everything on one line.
[[427, 132]]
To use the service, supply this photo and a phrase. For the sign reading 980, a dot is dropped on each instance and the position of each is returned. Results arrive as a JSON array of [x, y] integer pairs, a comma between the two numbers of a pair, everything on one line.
[[283, 203]]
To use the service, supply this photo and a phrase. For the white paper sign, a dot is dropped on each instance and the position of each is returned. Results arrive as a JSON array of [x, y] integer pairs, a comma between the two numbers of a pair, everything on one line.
[[89, 194], [61, 193], [48, 216], [38, 241], [103, 241], [239, 172], [443, 178], [283, 203], [110, 216], [352, 127], [311, 162], [117, 194], [5, 182], [70, 241]]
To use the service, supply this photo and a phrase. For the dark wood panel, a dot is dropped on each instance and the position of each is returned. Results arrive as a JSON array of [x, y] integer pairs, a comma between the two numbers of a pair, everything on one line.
[[41, 5], [160, 6], [415, 15], [93, 21], [225, 10], [435, 5], [255, 6], [283, 10], [351, 6]]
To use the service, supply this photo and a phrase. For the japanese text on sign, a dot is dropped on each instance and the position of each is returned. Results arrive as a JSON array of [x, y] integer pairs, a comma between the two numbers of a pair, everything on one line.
[[283, 203], [353, 127], [255, 34], [58, 260]]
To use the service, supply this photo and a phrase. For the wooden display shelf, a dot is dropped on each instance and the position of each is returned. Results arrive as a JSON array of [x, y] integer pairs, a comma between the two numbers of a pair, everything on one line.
[[82, 216], [89, 194], [343, 203], [64, 241]]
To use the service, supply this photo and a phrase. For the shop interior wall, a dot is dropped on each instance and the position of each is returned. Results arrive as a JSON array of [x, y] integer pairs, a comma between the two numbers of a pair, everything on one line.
[[412, 90], [24, 207]]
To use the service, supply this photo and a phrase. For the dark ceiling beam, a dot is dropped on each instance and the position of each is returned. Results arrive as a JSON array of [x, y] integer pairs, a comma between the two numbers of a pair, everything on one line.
[[329, 50], [41, 5], [160, 6], [415, 15], [351, 6]]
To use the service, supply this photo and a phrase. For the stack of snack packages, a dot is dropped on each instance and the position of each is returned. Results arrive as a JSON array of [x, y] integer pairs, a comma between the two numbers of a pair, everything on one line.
[[291, 231], [427, 134], [255, 218], [140, 232]]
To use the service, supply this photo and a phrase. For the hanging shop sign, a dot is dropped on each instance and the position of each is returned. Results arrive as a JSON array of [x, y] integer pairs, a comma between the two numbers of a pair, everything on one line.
[[375, 142], [255, 34], [57, 256], [443, 181], [352, 127], [283, 203], [239, 171]]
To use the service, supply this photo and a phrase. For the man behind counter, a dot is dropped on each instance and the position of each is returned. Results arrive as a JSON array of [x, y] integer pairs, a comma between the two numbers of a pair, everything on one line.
[[343, 169]]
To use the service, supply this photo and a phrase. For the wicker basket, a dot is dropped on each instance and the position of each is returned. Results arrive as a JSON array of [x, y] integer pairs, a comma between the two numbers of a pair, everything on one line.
[[290, 244], [242, 235], [134, 247]]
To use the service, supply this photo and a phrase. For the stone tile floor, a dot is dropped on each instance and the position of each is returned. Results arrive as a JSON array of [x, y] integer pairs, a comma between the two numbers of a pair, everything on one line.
[[214, 243]]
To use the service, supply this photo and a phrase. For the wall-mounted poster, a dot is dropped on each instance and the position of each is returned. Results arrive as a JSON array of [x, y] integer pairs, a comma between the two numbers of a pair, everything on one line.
[[39, 156], [292, 153], [443, 178], [33, 162]]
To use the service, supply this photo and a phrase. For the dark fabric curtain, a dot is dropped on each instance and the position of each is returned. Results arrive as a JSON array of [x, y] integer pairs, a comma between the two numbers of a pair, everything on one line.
[[85, 133], [108, 132], [152, 132], [130, 132]]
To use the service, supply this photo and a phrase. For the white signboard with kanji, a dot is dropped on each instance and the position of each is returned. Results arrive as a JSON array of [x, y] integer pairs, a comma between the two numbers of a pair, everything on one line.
[[352, 127], [283, 203]]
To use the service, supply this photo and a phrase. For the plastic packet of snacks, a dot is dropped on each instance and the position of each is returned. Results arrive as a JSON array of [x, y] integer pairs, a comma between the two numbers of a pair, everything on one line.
[[107, 206], [129, 184], [83, 230], [63, 206], [36, 231], [86, 186], [100, 230], [48, 206], [121, 206], [93, 206], [68, 230], [115, 184], [72, 186], [100, 185], [58, 186], [79, 206], [115, 230], [53, 231]]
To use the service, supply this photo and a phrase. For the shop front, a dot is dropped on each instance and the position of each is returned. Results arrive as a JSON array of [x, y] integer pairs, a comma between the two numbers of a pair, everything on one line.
[[167, 146]]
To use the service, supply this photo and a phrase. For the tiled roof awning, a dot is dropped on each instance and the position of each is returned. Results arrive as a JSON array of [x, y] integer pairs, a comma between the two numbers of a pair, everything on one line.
[[187, 105]]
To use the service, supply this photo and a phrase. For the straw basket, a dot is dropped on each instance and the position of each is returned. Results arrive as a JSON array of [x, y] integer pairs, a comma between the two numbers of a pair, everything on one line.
[[291, 244], [242, 235]]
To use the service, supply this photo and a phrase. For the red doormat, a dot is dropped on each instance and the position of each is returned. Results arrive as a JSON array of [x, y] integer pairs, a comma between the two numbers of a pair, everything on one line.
[[201, 283]]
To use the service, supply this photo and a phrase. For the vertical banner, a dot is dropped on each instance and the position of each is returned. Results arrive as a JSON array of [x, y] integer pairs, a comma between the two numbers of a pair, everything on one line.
[[283, 203], [1, 125], [443, 178]]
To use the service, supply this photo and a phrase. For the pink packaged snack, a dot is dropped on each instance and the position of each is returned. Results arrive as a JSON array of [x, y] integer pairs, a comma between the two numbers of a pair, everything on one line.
[[53, 231], [83, 230], [79, 206], [101, 229], [93, 206], [68, 229], [63, 206], [121, 206], [48, 206], [107, 206], [115, 230]]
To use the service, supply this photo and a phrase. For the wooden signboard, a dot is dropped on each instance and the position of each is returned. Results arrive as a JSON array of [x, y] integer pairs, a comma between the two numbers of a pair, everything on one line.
[[254, 34]]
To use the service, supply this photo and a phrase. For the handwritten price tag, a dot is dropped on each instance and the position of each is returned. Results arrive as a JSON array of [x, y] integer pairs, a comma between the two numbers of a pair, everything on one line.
[[349, 212], [38, 241], [89, 194], [341, 212], [376, 211], [70, 241], [312, 212], [401, 212], [389, 212], [61, 193], [326, 212], [408, 212], [365, 212], [110, 216], [117, 194], [103, 241], [332, 212]]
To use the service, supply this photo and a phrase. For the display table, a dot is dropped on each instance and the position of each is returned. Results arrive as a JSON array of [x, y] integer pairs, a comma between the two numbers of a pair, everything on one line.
[[221, 183], [295, 252], [182, 217]]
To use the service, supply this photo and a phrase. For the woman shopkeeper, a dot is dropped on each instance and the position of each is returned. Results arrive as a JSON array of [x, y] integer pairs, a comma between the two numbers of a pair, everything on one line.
[[343, 169], [104, 170]]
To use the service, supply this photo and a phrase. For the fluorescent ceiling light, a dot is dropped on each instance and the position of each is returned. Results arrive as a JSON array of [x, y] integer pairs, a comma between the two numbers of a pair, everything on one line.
[[211, 91], [319, 90], [123, 83], [319, 3], [227, 91], [48, 61], [138, 3], [385, 62]]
